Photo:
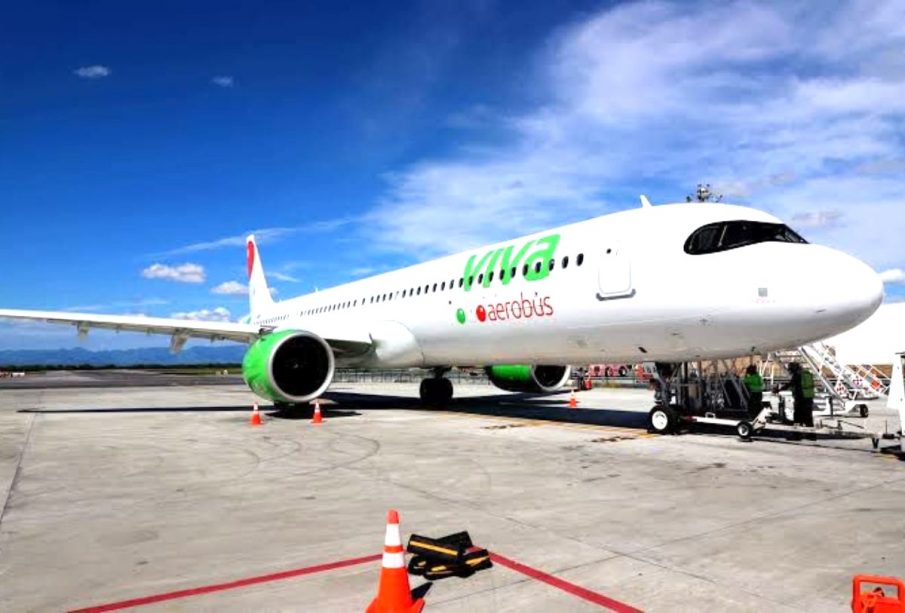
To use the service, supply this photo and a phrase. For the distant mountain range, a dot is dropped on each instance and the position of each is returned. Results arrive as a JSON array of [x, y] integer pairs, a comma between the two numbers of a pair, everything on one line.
[[224, 354]]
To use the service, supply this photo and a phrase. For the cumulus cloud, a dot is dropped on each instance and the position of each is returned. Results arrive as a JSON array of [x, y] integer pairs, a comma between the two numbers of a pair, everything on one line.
[[183, 273], [223, 81], [671, 94], [231, 288], [893, 275], [215, 314], [95, 71]]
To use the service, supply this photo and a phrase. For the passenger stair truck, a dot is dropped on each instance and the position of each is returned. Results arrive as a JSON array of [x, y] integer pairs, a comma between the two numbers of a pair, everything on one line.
[[844, 386], [897, 396]]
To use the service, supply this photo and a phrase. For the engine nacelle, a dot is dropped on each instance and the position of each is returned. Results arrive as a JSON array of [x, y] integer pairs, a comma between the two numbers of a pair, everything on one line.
[[288, 366], [528, 378]]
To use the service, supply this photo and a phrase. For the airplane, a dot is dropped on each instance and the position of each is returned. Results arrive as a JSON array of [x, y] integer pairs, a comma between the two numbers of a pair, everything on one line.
[[668, 284]]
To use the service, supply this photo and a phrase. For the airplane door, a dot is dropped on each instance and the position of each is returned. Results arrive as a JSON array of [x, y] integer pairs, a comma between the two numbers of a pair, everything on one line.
[[615, 274]]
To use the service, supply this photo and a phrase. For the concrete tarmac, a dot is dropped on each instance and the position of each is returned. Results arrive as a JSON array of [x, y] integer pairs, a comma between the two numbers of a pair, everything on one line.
[[114, 493]]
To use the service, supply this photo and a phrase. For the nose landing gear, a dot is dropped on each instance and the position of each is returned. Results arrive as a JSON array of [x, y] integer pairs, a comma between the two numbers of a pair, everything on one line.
[[436, 391]]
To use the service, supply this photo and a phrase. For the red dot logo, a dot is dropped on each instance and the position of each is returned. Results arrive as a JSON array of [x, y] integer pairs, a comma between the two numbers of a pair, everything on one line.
[[481, 313], [250, 259]]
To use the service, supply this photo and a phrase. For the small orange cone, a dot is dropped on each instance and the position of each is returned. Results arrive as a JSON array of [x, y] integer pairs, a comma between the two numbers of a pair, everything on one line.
[[317, 419], [393, 592], [573, 402], [255, 416]]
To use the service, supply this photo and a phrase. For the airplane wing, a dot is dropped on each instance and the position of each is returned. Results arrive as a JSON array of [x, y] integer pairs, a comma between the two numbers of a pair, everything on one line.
[[346, 340]]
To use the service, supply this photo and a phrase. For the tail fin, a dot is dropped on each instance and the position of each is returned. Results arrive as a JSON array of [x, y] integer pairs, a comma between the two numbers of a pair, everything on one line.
[[259, 299]]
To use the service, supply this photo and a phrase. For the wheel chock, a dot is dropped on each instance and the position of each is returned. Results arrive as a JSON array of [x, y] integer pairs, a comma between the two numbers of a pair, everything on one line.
[[451, 555]]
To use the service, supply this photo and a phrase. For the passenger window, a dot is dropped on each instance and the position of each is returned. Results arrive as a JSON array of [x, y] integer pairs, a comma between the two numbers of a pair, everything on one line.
[[461, 281], [503, 275], [537, 266], [435, 288], [512, 273], [471, 280], [579, 260], [480, 278], [550, 266], [443, 286], [565, 262], [490, 277], [419, 290]]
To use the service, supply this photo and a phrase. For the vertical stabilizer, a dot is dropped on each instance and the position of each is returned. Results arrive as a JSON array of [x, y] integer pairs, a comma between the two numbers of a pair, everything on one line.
[[259, 299]]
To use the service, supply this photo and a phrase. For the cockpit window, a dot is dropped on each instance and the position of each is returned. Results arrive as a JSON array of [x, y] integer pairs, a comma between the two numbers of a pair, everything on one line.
[[727, 235]]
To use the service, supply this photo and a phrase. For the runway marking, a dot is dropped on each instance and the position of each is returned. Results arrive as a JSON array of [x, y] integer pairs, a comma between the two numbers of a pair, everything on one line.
[[528, 571], [562, 584], [230, 585]]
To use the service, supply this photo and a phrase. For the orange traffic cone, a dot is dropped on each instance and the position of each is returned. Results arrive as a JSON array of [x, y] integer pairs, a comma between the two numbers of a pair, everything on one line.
[[573, 402], [317, 419], [393, 592], [255, 416]]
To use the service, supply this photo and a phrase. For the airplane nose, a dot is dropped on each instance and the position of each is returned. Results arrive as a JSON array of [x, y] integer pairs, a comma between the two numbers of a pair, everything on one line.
[[852, 289]]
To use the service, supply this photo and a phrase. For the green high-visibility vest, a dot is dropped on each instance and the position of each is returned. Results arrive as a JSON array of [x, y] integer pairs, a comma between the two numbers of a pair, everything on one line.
[[807, 384], [754, 383]]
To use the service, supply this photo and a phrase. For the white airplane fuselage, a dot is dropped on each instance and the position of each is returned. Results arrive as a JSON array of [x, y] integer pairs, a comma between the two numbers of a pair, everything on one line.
[[637, 295]]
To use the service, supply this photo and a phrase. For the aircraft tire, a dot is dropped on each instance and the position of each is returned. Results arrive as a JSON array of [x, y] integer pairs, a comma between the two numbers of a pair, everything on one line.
[[436, 392], [662, 420]]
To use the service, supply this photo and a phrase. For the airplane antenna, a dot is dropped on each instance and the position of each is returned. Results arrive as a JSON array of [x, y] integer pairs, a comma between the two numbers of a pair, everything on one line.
[[645, 203], [703, 193]]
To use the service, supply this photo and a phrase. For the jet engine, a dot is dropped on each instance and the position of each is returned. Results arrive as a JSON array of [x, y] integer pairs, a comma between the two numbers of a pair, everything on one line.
[[288, 366], [528, 378]]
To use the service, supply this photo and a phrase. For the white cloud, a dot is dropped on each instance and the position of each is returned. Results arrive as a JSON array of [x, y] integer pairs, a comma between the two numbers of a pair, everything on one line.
[[262, 236], [777, 103], [223, 81], [126, 304], [95, 71], [817, 219], [282, 276], [183, 273], [231, 288], [215, 314], [893, 275]]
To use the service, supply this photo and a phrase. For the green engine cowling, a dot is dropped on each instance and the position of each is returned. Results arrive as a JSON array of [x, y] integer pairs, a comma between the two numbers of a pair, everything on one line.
[[528, 378], [288, 366]]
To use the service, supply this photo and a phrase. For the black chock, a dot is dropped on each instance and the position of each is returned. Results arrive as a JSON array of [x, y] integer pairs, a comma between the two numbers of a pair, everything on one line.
[[450, 548], [450, 555]]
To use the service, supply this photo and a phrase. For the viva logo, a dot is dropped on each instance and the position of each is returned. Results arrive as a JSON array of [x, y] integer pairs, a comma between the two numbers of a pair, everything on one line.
[[505, 259]]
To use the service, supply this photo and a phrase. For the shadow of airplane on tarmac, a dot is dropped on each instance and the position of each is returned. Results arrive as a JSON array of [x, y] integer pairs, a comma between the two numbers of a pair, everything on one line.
[[521, 406]]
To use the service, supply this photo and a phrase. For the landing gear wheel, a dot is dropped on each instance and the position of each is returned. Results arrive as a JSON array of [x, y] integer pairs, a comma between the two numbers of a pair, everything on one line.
[[446, 390], [662, 420], [744, 430], [863, 410], [436, 392]]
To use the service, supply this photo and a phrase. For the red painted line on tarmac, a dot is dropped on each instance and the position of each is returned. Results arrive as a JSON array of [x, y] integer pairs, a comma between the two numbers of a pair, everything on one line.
[[571, 588], [533, 573], [219, 587]]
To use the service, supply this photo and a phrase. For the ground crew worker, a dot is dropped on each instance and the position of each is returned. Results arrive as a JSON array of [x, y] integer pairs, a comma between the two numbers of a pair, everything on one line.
[[802, 386], [755, 384]]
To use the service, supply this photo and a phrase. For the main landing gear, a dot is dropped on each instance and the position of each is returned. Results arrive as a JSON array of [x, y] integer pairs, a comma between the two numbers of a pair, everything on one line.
[[437, 390]]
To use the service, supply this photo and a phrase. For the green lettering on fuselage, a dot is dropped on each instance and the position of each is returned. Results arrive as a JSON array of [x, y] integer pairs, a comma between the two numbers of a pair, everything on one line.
[[471, 271], [508, 265], [545, 250]]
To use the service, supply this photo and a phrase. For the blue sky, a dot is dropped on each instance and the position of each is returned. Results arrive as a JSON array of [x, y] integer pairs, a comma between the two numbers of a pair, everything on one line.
[[140, 141]]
